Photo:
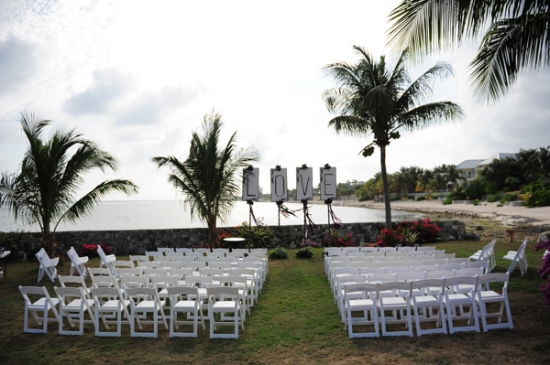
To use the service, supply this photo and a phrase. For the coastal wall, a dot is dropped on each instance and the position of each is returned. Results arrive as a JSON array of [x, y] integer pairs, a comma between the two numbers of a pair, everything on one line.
[[139, 241]]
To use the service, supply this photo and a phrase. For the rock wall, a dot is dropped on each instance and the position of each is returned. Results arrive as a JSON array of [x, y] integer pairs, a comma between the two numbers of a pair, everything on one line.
[[139, 241]]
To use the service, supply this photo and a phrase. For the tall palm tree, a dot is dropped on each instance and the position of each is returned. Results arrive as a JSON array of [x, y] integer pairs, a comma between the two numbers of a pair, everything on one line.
[[45, 190], [518, 37], [207, 177], [373, 97], [453, 175]]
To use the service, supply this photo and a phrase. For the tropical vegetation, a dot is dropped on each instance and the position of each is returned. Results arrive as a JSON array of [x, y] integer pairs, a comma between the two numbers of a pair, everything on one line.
[[48, 188], [380, 99], [207, 178], [516, 39]]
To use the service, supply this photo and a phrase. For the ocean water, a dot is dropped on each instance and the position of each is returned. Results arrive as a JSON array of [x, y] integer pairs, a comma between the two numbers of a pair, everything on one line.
[[170, 214]]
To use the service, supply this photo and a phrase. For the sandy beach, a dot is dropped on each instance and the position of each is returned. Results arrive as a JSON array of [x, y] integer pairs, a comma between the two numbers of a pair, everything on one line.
[[507, 214], [530, 221]]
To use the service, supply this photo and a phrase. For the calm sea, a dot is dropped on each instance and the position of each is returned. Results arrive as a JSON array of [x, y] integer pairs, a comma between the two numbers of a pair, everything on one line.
[[167, 214]]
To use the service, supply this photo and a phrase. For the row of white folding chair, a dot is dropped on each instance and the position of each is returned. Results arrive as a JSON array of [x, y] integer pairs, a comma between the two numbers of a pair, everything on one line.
[[411, 264], [448, 304], [347, 270], [46, 265], [388, 275], [391, 253], [330, 250]]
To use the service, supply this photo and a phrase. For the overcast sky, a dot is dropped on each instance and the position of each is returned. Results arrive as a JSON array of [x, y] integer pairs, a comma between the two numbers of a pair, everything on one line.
[[138, 76]]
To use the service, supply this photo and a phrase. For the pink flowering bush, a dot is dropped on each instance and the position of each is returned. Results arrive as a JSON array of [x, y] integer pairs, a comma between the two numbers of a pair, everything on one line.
[[309, 243], [89, 249], [426, 232], [337, 239], [544, 270], [387, 237]]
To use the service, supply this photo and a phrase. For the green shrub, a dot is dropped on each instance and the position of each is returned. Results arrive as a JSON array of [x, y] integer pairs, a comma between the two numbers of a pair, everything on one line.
[[420, 198], [278, 254], [509, 197], [304, 253], [258, 237], [476, 202], [448, 200], [11, 241], [493, 198]]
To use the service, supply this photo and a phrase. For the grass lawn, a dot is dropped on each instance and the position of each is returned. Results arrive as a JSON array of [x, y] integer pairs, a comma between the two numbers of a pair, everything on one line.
[[295, 322]]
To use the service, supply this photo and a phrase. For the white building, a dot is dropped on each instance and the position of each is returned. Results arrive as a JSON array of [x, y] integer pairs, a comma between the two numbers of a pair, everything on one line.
[[471, 168]]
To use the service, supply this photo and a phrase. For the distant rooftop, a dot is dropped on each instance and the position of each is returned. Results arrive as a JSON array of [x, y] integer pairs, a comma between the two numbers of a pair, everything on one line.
[[498, 156], [468, 164]]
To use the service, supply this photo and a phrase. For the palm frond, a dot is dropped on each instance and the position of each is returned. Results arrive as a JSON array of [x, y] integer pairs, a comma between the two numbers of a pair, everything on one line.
[[84, 206], [509, 46]]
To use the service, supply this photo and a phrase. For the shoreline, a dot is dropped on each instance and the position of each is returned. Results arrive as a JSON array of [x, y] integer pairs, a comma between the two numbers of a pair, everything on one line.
[[486, 219]]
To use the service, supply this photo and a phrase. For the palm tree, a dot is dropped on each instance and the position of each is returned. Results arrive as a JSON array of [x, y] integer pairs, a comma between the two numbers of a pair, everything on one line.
[[46, 189], [207, 177], [518, 36], [453, 175], [374, 98]]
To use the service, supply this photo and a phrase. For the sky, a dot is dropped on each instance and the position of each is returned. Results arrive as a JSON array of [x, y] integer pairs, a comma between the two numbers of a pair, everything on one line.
[[137, 77]]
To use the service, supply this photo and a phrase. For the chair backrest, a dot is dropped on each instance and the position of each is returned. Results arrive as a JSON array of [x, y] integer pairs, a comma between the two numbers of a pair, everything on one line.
[[366, 288], [139, 258], [66, 294], [472, 271], [123, 263], [440, 274], [104, 281], [372, 270], [182, 292], [163, 281], [460, 280], [165, 250], [368, 249], [217, 293], [484, 280], [402, 286], [380, 278], [72, 281], [200, 281], [124, 271], [427, 283], [411, 276], [406, 249], [482, 264], [127, 282], [451, 266], [97, 271], [424, 267], [184, 250]]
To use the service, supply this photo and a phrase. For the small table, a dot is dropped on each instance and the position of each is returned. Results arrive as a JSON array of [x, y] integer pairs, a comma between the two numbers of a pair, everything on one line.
[[3, 255], [232, 240]]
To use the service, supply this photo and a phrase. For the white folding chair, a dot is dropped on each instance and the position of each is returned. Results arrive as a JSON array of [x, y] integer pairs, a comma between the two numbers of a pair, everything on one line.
[[224, 301], [38, 300], [454, 301], [46, 265], [142, 302], [363, 304], [109, 303], [424, 306], [517, 257], [73, 305], [487, 297], [77, 262], [396, 304], [67, 281], [166, 250], [105, 260], [185, 300]]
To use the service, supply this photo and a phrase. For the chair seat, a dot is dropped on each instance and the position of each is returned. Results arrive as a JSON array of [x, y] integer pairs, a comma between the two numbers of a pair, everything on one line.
[[356, 304], [225, 306], [40, 303], [393, 301], [185, 305], [77, 303]]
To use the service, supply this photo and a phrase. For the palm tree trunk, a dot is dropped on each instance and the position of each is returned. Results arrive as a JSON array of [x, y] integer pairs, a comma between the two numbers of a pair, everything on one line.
[[385, 183], [48, 240], [212, 231]]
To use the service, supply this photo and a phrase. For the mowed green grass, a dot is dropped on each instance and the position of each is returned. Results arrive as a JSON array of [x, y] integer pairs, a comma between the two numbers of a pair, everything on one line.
[[294, 322]]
